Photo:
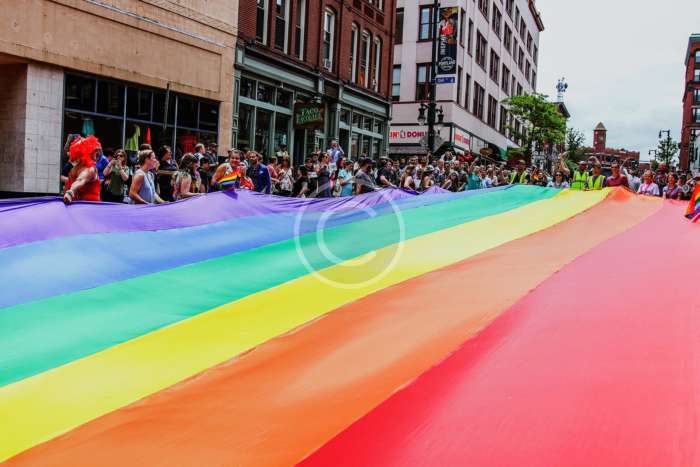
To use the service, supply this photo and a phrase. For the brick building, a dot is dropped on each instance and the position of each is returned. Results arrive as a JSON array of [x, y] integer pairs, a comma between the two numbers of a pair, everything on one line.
[[310, 71], [129, 71], [608, 155], [690, 128]]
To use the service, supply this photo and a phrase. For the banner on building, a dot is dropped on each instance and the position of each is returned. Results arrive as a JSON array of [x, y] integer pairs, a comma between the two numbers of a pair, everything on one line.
[[447, 41], [309, 116]]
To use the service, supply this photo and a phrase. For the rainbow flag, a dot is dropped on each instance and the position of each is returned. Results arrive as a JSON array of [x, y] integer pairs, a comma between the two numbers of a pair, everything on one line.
[[490, 327], [694, 204], [231, 180]]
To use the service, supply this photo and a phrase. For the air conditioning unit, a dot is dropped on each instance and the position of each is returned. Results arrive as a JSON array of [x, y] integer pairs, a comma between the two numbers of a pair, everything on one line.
[[327, 64]]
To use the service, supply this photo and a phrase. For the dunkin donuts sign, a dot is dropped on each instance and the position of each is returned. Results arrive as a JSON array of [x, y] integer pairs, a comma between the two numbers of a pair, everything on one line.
[[407, 135]]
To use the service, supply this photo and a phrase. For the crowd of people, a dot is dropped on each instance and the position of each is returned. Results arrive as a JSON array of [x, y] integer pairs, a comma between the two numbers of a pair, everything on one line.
[[157, 177]]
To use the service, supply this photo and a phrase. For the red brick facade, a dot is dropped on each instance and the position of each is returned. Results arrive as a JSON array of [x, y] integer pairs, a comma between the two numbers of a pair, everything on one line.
[[379, 23], [691, 87]]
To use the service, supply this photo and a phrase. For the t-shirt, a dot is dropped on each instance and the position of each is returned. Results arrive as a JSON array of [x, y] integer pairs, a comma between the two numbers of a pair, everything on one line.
[[345, 175], [473, 181], [206, 180], [617, 181], [261, 179], [649, 189], [674, 193], [365, 181], [386, 173], [324, 182]]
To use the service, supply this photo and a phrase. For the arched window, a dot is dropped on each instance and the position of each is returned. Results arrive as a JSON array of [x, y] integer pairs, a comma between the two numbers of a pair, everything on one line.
[[353, 52], [377, 63], [328, 38], [364, 59]]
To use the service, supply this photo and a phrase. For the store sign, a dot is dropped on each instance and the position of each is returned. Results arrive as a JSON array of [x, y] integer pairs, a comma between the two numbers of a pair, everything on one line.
[[309, 116], [406, 135], [461, 139], [447, 41]]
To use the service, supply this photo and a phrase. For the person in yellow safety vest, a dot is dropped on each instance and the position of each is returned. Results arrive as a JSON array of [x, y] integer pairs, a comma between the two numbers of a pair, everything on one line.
[[597, 180], [579, 181], [520, 176]]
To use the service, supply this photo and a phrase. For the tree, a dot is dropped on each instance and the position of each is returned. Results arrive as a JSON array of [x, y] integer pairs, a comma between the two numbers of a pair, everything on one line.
[[541, 121], [666, 151], [574, 148]]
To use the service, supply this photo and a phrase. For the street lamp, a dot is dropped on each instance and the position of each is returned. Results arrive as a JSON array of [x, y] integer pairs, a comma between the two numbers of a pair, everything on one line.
[[653, 151], [421, 113], [429, 112], [668, 133]]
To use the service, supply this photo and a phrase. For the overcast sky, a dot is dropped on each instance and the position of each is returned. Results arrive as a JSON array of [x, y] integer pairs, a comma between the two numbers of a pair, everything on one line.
[[624, 62]]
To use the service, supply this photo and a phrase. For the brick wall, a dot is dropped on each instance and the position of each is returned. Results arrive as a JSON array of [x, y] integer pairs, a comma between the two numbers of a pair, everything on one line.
[[377, 23], [688, 105]]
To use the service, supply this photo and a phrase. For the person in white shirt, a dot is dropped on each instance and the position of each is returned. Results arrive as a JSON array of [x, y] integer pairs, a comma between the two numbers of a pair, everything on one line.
[[648, 187]]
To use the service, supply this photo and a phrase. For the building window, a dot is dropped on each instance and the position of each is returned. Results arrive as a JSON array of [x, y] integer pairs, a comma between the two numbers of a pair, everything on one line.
[[261, 21], [512, 84], [425, 23], [458, 97], [696, 115], [328, 38], [377, 63], [516, 20], [521, 58], [520, 90], [422, 81], [509, 7], [535, 53], [527, 71], [467, 87], [534, 80], [507, 38], [484, 8], [478, 106], [364, 59], [480, 50], [697, 58], [398, 33], [696, 75], [496, 21], [353, 53], [396, 83], [494, 65], [502, 124], [491, 118], [299, 28], [522, 29], [281, 32], [696, 96], [470, 35], [462, 16], [505, 79], [529, 43]]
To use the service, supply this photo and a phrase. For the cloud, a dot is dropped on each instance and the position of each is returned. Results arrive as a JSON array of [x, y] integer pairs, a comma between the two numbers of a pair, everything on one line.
[[624, 62]]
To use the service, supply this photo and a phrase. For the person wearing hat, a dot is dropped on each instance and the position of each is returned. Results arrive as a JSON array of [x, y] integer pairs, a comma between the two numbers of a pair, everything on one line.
[[580, 179], [596, 181], [520, 176], [426, 179]]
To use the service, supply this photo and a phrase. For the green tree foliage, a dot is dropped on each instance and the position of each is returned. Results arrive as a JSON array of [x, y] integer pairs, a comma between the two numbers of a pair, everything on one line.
[[541, 121], [574, 148], [666, 151]]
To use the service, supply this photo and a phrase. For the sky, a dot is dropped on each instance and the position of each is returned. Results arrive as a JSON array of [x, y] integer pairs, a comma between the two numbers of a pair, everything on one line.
[[624, 63]]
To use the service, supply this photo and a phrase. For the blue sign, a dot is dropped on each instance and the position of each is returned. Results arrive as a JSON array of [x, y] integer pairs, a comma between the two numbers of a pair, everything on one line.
[[445, 80]]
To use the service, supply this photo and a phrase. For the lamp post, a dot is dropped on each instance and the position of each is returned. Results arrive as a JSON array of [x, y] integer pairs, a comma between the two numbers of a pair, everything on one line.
[[429, 112], [653, 151], [668, 133]]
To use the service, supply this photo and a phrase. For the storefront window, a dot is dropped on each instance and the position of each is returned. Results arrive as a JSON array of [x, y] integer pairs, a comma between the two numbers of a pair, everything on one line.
[[80, 93], [262, 131], [355, 145], [247, 88], [160, 109], [245, 122], [187, 113], [345, 116], [138, 103], [208, 116], [356, 120], [284, 98], [376, 147], [367, 123], [281, 131], [265, 93], [366, 141], [110, 98]]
